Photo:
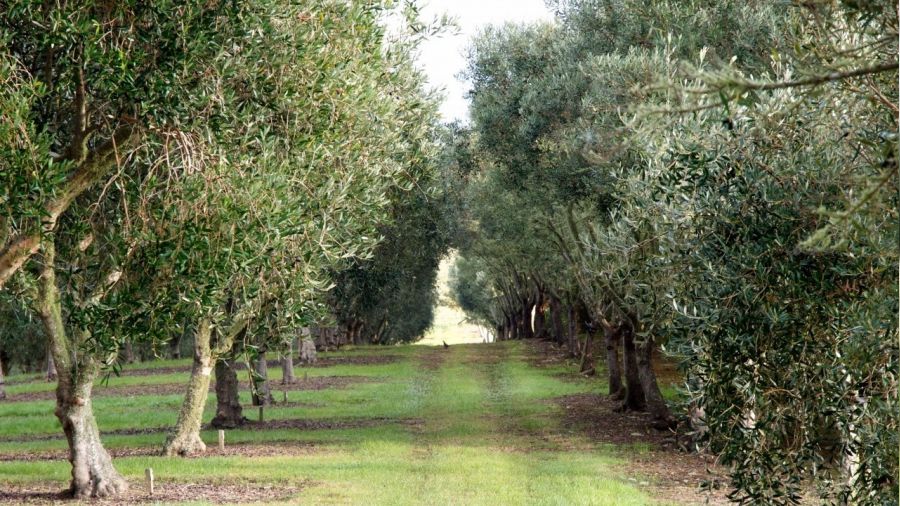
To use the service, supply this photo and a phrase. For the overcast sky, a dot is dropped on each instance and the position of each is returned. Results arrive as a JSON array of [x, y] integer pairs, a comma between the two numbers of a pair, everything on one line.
[[443, 57]]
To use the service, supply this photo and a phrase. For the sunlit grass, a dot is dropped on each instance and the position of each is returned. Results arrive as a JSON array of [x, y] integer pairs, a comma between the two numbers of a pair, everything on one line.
[[478, 412]]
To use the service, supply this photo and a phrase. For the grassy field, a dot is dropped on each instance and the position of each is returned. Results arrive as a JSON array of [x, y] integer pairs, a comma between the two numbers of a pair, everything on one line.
[[472, 424]]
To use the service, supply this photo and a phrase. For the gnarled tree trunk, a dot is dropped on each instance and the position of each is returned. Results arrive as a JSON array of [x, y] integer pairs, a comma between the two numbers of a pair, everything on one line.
[[229, 413], [540, 330], [656, 405], [527, 329], [613, 337], [51, 367], [587, 355], [185, 438], [93, 474], [556, 320], [634, 395]]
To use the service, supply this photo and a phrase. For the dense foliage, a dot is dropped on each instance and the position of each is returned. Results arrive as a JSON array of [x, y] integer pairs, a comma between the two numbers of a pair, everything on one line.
[[718, 179]]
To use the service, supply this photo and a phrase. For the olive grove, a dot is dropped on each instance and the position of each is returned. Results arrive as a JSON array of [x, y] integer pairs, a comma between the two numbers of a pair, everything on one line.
[[712, 180]]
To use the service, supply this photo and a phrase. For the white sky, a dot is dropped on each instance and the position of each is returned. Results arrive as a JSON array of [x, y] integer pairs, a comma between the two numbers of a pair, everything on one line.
[[443, 57]]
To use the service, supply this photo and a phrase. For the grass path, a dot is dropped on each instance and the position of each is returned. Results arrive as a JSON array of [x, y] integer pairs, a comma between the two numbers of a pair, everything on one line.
[[473, 424]]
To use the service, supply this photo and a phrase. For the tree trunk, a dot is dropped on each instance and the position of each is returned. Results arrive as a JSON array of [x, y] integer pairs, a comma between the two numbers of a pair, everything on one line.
[[587, 355], [527, 329], [574, 348], [175, 342], [229, 413], [556, 320], [262, 394], [287, 364], [129, 352], [93, 474], [656, 405], [613, 336], [634, 395], [51, 366], [185, 438]]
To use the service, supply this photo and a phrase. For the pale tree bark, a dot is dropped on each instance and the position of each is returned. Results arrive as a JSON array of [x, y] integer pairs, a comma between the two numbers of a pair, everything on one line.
[[229, 413], [93, 474], [287, 364], [262, 394], [185, 439]]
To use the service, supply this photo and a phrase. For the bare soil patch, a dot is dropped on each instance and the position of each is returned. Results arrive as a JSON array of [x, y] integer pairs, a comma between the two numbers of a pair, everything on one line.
[[271, 449], [321, 362], [307, 383], [215, 493]]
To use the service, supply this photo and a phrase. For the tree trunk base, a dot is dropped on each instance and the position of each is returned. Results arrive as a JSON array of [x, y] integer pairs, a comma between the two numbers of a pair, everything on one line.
[[186, 446], [93, 474]]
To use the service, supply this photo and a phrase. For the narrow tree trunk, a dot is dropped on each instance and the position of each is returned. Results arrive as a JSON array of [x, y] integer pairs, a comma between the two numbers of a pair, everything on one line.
[[262, 394], [634, 395], [574, 348], [175, 343], [51, 366], [556, 320], [527, 329], [613, 336], [229, 413], [287, 364], [185, 438], [587, 355], [93, 474], [656, 405], [129, 352]]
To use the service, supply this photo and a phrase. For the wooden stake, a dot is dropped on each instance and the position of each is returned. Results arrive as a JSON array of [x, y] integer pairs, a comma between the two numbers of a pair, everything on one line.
[[260, 414], [285, 395], [221, 439], [149, 474]]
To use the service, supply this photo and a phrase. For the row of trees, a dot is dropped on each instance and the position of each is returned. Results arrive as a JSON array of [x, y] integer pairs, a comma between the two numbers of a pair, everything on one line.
[[206, 168], [717, 180]]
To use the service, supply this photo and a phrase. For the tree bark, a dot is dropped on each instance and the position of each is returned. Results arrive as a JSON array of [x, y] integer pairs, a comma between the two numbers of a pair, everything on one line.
[[185, 438], [262, 394], [556, 320], [229, 413], [613, 336], [572, 338], [287, 364], [634, 395], [51, 366], [656, 405], [587, 355], [93, 474], [129, 352], [527, 329]]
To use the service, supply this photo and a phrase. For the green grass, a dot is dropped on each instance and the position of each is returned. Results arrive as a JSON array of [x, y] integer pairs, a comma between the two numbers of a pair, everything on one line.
[[482, 415]]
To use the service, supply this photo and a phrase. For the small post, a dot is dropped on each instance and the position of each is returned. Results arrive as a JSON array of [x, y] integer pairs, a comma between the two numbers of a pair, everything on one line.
[[285, 395], [221, 440], [261, 414], [305, 375], [148, 473]]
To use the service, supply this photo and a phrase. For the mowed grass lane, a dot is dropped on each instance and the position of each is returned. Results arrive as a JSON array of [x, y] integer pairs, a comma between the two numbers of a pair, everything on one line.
[[472, 424]]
